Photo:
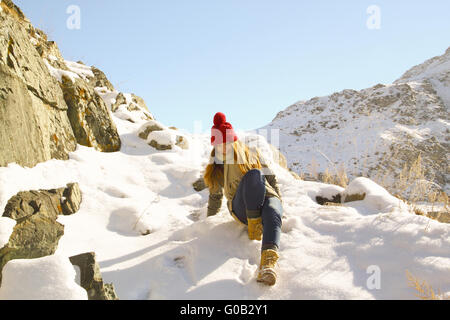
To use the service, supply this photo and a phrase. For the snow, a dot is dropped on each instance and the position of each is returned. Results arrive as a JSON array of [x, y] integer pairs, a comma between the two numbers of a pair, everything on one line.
[[58, 73], [376, 197], [33, 40], [152, 239], [76, 70], [47, 278], [109, 97], [81, 70], [164, 137], [6, 228]]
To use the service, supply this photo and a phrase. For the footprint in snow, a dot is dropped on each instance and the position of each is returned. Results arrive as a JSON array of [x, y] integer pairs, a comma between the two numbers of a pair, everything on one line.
[[115, 192]]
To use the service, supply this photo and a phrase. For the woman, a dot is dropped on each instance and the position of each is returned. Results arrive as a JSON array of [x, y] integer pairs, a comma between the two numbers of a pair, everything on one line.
[[253, 198]]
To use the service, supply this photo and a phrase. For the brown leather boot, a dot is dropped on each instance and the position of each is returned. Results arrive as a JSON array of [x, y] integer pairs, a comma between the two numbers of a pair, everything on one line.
[[267, 274]]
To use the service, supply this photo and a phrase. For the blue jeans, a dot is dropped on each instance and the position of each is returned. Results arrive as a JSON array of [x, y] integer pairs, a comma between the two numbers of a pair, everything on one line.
[[250, 199]]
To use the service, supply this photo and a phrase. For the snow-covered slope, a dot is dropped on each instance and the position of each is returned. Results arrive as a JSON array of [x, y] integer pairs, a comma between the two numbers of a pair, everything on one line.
[[374, 132], [148, 227], [436, 71], [149, 230]]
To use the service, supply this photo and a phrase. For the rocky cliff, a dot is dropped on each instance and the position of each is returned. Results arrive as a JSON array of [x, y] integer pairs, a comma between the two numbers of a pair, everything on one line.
[[49, 105], [34, 126]]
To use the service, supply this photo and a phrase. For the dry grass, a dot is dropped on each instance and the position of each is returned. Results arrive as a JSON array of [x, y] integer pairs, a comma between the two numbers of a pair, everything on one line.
[[412, 179], [340, 178], [423, 290], [411, 185]]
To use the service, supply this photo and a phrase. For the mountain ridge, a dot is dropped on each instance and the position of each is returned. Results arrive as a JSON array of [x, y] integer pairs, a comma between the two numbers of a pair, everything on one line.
[[407, 118]]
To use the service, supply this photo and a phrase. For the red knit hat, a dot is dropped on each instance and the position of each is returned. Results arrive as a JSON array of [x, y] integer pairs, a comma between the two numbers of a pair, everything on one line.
[[222, 131]]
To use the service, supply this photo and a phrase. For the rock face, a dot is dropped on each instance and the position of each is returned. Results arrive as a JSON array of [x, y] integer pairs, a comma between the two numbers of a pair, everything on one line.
[[378, 132], [33, 122], [47, 104], [89, 117], [37, 232], [91, 278], [100, 80]]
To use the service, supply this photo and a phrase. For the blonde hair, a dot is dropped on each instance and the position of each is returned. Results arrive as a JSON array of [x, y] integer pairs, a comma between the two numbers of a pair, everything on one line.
[[244, 158]]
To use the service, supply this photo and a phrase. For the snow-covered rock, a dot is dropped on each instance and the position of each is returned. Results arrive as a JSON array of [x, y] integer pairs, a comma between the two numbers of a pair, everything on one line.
[[47, 278], [161, 137], [373, 196]]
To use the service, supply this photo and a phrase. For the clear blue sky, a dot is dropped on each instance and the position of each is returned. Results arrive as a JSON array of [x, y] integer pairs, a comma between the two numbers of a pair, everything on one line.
[[247, 58]]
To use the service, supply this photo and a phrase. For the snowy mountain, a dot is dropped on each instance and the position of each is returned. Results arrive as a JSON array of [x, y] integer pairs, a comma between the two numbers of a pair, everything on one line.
[[146, 222], [148, 227], [375, 132]]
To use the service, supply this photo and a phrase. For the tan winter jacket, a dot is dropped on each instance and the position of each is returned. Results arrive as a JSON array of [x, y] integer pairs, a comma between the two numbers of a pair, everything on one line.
[[232, 178]]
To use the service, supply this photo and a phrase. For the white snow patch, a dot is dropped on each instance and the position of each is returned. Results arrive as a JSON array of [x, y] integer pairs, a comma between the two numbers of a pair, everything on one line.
[[77, 70], [6, 228], [164, 137], [33, 40], [58, 73], [47, 278], [81, 70]]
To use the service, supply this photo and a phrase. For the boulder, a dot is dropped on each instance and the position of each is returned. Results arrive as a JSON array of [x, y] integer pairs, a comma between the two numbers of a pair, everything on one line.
[[162, 138], [71, 200], [139, 102], [91, 278], [90, 118], [182, 142], [34, 236], [100, 80], [133, 107], [323, 200], [354, 197], [159, 146], [148, 128], [37, 233], [51, 203], [120, 100], [166, 139]]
